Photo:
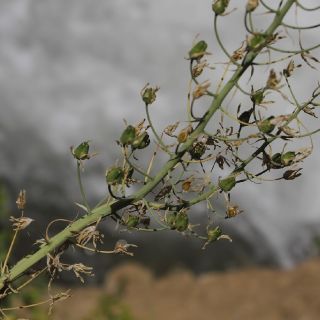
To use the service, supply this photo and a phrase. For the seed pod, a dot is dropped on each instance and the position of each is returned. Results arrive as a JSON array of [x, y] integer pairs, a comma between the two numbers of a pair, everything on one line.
[[181, 221], [81, 152], [198, 50], [170, 219], [292, 174], [132, 221], [276, 161], [227, 184], [232, 211], [198, 150], [220, 6], [114, 176], [186, 185], [128, 135], [266, 126], [288, 158], [214, 233], [142, 141], [257, 96], [149, 95], [252, 5]]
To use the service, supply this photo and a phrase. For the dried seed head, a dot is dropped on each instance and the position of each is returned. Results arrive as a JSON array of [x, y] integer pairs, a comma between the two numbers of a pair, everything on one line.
[[21, 200], [198, 150], [289, 69], [184, 134], [201, 89], [198, 69], [148, 94], [90, 234], [292, 174], [186, 185], [309, 110], [122, 247], [170, 129], [273, 81], [80, 269], [20, 223], [232, 211], [238, 54]]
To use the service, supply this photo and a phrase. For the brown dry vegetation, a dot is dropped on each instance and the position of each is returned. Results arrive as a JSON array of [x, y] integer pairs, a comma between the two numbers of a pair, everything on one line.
[[249, 294]]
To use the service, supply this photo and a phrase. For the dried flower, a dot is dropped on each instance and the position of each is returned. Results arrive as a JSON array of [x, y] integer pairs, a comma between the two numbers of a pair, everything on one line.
[[90, 234], [198, 68], [309, 110], [184, 134], [20, 223], [273, 81], [238, 54], [170, 129], [79, 269], [21, 200], [122, 247], [201, 89], [232, 211]]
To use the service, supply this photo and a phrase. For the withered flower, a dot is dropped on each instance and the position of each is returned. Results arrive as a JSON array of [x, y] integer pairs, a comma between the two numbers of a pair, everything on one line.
[[90, 234], [21, 200], [122, 247], [273, 80], [232, 211], [20, 223], [201, 89]]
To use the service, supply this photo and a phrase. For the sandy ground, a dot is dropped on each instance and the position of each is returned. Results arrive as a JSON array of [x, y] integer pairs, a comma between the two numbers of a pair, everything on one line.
[[250, 294]]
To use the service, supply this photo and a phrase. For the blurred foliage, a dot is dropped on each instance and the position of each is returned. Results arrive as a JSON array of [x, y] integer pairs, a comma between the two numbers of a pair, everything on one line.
[[111, 308]]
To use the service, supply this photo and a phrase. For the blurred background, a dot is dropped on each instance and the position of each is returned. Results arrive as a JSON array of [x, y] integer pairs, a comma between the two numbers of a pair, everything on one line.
[[72, 71]]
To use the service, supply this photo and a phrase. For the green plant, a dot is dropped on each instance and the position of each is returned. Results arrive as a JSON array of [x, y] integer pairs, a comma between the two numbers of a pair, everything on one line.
[[189, 176]]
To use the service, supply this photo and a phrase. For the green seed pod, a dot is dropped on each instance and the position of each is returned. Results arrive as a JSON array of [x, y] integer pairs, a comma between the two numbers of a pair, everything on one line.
[[170, 219], [227, 184], [276, 162], [81, 152], [257, 96], [220, 6], [149, 95], [288, 158], [198, 150], [142, 141], [128, 135], [214, 233], [181, 221], [114, 176], [132, 221], [266, 126], [198, 50]]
